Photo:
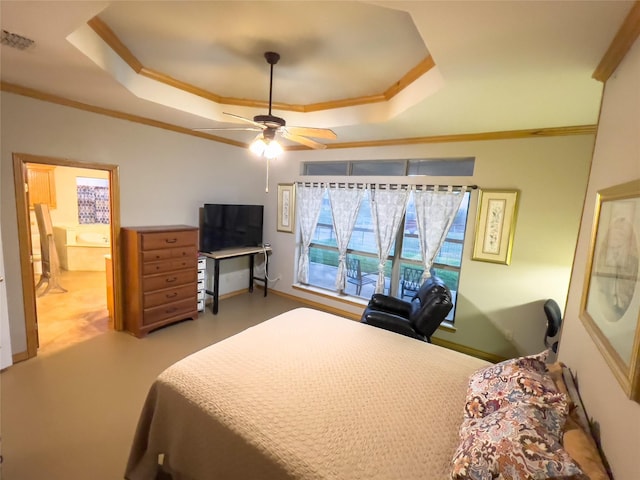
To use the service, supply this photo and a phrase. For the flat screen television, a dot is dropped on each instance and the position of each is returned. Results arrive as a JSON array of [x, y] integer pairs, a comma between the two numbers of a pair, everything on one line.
[[230, 226]]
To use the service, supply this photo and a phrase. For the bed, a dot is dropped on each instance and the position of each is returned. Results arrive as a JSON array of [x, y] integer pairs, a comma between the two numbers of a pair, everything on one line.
[[307, 395]]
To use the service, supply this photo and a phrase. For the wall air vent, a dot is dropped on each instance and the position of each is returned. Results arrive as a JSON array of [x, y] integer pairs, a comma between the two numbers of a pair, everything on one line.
[[16, 41]]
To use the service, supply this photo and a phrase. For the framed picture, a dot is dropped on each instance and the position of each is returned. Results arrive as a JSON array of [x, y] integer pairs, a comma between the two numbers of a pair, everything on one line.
[[610, 306], [495, 226], [286, 207]]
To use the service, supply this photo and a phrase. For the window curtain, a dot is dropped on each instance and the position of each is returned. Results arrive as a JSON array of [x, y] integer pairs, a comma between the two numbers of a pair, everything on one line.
[[387, 210], [103, 214], [435, 211], [345, 203], [308, 205], [93, 204]]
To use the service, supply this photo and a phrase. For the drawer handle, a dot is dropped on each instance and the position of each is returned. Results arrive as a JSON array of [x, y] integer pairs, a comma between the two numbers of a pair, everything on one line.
[[171, 240], [171, 280], [171, 310], [171, 295]]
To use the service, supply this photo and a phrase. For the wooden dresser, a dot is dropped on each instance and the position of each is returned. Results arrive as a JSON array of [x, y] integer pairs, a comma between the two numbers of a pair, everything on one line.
[[160, 276]]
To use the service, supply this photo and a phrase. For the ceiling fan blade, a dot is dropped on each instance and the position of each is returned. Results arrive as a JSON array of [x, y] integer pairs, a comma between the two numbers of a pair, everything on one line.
[[248, 120], [250, 129], [312, 132], [303, 140]]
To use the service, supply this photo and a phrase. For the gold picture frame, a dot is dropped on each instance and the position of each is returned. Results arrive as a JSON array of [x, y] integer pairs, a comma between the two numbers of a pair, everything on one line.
[[286, 207], [495, 226], [610, 305]]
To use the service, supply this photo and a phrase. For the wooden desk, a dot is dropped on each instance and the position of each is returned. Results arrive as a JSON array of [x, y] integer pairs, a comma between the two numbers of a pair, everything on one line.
[[251, 252]]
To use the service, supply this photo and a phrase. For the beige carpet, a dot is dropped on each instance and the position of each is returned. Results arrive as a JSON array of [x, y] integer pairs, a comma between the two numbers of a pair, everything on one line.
[[71, 415]]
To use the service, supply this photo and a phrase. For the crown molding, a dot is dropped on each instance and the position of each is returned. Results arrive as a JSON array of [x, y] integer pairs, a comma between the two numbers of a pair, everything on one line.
[[111, 39], [47, 97], [620, 45], [469, 137], [463, 137]]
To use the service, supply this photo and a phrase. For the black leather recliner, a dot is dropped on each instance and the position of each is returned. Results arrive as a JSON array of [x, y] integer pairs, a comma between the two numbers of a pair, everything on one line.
[[418, 318]]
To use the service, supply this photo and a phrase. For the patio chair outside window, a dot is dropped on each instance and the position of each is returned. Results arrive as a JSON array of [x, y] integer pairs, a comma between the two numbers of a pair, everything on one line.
[[411, 281], [354, 275]]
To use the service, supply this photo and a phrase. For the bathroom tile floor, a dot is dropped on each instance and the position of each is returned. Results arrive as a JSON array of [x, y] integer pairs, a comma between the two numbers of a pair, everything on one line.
[[80, 313]]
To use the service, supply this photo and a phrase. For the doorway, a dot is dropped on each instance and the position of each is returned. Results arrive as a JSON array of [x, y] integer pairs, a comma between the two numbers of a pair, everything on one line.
[[82, 301]]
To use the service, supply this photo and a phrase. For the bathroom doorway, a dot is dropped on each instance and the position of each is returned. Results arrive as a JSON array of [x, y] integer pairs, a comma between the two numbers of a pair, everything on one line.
[[69, 288]]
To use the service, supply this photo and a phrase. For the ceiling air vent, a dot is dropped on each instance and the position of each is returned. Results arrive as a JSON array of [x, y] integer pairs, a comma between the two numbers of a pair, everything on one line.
[[16, 41]]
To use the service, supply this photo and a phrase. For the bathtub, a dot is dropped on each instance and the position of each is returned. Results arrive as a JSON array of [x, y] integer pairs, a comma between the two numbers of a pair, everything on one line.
[[83, 247]]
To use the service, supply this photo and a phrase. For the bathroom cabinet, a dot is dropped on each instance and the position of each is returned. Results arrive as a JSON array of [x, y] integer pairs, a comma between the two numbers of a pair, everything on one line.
[[160, 276], [41, 184]]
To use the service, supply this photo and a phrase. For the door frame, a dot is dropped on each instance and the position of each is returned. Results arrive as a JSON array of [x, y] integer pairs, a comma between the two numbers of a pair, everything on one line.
[[6, 358], [20, 161]]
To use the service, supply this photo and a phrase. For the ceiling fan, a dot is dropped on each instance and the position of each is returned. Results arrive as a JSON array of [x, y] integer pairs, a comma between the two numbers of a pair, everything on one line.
[[265, 144]]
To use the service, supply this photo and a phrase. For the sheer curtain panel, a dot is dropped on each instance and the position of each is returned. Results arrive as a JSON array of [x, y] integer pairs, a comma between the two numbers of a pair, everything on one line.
[[387, 210], [435, 211], [345, 203], [308, 204]]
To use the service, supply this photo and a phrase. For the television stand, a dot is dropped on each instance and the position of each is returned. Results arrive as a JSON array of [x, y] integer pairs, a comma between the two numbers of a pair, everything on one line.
[[251, 252]]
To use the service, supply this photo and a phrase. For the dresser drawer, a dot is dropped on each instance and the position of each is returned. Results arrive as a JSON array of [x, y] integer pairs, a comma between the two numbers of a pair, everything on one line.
[[186, 252], [175, 309], [169, 265], [160, 240], [173, 279], [156, 255], [169, 295]]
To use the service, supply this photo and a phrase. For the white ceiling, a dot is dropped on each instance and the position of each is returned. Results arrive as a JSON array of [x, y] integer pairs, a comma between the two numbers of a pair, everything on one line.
[[500, 65]]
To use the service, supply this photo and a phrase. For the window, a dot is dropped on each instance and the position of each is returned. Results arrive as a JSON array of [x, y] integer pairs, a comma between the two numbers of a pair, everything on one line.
[[403, 260], [404, 263], [435, 167], [93, 200]]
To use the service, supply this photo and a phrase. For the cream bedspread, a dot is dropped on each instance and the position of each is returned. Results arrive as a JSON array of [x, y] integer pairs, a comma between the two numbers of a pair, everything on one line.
[[306, 395]]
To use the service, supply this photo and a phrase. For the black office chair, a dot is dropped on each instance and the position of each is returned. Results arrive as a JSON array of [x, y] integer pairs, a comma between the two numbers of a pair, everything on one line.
[[554, 320], [418, 318]]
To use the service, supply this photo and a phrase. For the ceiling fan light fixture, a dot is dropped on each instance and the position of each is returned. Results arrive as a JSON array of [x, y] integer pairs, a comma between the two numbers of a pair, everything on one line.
[[265, 145], [266, 148], [258, 146], [273, 149]]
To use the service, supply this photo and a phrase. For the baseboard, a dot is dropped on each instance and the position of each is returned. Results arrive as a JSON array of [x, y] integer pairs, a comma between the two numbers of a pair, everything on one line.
[[318, 306], [20, 356], [489, 357]]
